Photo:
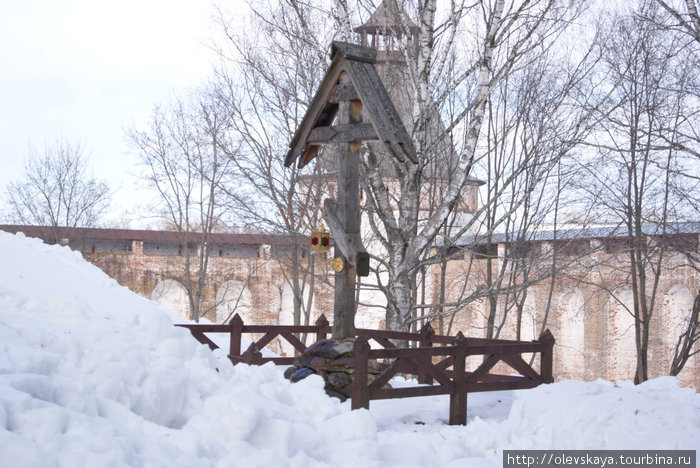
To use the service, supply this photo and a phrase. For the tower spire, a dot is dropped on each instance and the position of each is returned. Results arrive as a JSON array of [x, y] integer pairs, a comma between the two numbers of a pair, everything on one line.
[[388, 22]]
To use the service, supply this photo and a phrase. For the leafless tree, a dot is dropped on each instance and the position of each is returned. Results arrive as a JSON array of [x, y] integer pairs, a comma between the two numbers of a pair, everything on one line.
[[268, 74], [684, 16], [58, 191], [503, 38], [638, 178], [180, 153]]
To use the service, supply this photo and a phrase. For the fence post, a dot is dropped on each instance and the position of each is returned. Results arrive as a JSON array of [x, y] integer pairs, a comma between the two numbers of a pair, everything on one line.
[[321, 325], [426, 341], [547, 340], [360, 392], [458, 399], [235, 336]]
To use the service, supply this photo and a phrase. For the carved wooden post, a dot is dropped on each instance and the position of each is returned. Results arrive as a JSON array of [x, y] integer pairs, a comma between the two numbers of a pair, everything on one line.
[[321, 326], [458, 399], [546, 359], [235, 336], [360, 391], [426, 341], [348, 213]]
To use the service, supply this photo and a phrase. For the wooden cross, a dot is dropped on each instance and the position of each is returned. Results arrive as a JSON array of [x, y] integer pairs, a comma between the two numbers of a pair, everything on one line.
[[350, 85]]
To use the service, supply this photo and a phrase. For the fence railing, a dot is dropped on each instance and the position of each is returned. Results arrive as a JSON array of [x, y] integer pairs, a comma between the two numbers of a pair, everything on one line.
[[441, 370], [268, 333], [457, 382]]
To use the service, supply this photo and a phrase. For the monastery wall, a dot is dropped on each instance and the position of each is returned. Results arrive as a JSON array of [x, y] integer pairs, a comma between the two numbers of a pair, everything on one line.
[[587, 308]]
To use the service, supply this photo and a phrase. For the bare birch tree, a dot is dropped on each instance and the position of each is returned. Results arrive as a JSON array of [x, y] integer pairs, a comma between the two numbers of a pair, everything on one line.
[[683, 16], [500, 41]]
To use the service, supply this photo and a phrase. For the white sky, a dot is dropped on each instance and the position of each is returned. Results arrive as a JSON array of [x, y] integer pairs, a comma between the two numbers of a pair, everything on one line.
[[86, 69]]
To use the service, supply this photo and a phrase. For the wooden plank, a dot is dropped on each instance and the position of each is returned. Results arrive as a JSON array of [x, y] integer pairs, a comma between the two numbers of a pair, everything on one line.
[[516, 362], [408, 392], [342, 134], [394, 335], [458, 397], [354, 52], [498, 386], [509, 348], [344, 92], [223, 328], [435, 373], [547, 340], [266, 339], [323, 328], [235, 331], [205, 328], [484, 368], [426, 332], [495, 341], [314, 110], [199, 336], [348, 214], [294, 341], [382, 379], [279, 329], [280, 361], [360, 393], [445, 363], [382, 112], [349, 244], [384, 342], [395, 353]]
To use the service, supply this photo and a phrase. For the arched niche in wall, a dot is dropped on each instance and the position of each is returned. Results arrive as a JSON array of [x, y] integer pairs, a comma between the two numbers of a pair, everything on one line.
[[234, 297], [622, 350], [528, 324], [675, 311], [570, 336], [370, 316], [286, 316], [172, 295]]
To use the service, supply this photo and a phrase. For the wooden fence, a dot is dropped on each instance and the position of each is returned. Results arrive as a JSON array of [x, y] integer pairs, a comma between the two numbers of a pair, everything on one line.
[[442, 367], [236, 328], [457, 382]]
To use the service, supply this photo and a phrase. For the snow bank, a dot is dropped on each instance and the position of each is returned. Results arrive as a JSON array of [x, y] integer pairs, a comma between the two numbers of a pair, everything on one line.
[[94, 375]]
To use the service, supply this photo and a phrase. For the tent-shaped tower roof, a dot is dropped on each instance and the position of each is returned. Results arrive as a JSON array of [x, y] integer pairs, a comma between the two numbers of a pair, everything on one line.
[[388, 19]]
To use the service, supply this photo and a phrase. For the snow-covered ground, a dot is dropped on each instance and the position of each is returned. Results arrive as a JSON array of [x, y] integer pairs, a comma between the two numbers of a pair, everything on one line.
[[93, 375]]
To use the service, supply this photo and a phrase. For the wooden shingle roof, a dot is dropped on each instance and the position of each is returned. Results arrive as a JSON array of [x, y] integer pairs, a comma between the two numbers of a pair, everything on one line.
[[385, 124]]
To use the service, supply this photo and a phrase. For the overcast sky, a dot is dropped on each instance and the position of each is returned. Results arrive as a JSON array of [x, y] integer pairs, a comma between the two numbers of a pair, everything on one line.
[[86, 69]]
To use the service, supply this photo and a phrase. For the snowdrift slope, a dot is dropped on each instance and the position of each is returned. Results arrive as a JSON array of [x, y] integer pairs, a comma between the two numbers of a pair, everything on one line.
[[94, 375]]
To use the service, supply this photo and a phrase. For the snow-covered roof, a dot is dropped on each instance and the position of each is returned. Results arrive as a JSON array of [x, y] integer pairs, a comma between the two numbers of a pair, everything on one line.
[[219, 238], [593, 232]]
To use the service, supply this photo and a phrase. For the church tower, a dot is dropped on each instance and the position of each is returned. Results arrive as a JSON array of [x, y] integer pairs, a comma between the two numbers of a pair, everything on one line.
[[394, 35]]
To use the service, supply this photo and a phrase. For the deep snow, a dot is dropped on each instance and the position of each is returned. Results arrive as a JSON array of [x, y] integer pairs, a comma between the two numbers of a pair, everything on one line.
[[94, 375]]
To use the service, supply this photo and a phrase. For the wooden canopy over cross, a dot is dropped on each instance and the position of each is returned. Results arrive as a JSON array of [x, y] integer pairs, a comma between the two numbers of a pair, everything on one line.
[[351, 84], [357, 63]]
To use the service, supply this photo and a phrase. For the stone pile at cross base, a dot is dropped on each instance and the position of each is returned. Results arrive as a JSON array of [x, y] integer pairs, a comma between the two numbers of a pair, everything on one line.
[[333, 360]]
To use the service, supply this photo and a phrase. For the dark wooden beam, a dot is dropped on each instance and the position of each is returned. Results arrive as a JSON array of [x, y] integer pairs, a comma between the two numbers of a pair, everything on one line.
[[342, 134], [349, 244], [348, 215], [344, 92]]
